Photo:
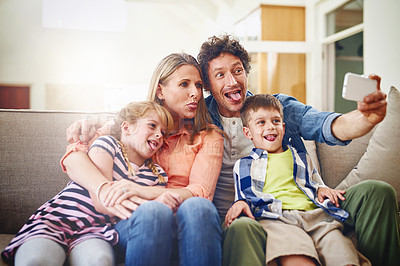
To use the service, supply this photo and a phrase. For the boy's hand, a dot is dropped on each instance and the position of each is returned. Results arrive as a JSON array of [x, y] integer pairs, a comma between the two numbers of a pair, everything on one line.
[[236, 209], [331, 194]]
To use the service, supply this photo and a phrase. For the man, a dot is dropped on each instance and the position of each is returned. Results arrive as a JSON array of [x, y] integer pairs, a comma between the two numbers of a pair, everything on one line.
[[225, 65]]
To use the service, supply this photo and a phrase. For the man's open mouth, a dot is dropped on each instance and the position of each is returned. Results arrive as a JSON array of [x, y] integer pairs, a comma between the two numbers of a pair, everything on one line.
[[234, 95]]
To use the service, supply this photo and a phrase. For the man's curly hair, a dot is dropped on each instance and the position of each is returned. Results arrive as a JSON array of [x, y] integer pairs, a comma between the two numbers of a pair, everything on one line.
[[215, 46]]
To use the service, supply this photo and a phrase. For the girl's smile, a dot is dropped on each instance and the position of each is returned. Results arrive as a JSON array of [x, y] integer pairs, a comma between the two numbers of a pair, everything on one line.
[[143, 138]]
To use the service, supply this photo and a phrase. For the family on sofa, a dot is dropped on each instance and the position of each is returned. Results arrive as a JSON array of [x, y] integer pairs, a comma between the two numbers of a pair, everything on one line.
[[124, 207]]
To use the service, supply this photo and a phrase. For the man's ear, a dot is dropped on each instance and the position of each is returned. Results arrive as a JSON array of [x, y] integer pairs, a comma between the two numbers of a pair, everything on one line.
[[247, 133], [283, 125], [159, 92]]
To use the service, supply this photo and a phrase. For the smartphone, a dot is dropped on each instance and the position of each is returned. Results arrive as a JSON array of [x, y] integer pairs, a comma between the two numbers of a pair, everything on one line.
[[356, 87]]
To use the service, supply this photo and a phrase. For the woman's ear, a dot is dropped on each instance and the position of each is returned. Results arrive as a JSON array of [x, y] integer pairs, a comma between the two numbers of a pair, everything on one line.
[[159, 92], [247, 133]]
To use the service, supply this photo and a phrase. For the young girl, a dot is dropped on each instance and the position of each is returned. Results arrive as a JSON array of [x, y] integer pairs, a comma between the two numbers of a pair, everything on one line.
[[73, 221]]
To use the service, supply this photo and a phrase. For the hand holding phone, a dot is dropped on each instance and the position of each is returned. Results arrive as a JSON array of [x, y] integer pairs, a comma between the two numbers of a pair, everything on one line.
[[356, 87]]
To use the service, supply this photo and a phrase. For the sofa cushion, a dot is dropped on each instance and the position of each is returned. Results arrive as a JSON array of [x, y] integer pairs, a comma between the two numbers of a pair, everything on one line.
[[381, 160], [336, 162], [32, 143]]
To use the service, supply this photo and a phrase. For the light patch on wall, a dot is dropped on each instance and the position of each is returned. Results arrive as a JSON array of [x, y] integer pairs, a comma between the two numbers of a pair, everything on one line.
[[74, 97], [117, 96], [97, 15]]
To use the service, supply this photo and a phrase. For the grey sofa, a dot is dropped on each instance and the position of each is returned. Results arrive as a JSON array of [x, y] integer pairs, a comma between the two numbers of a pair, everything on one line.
[[32, 143]]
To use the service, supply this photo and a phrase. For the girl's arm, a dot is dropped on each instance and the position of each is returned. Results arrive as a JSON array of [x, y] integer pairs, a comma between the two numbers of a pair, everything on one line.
[[203, 176], [116, 194], [83, 171]]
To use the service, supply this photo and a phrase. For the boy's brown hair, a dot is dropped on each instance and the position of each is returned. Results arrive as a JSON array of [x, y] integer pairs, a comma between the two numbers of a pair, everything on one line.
[[255, 102]]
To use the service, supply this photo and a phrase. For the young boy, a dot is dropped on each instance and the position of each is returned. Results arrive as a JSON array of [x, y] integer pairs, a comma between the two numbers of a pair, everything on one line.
[[281, 188]]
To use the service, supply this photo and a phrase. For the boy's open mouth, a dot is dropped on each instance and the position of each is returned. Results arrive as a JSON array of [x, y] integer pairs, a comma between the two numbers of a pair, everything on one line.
[[270, 137]]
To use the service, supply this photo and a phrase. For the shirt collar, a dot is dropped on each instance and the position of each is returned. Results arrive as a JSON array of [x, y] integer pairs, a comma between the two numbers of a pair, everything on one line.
[[182, 132], [257, 153]]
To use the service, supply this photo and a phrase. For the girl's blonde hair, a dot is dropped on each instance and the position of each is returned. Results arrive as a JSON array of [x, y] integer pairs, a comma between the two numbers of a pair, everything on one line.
[[167, 66], [131, 114]]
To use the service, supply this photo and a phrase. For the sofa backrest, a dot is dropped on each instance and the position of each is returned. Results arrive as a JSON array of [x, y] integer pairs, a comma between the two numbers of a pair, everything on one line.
[[31, 146], [336, 162]]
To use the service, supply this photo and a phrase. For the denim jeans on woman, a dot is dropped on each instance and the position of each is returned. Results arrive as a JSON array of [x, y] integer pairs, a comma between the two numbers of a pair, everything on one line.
[[148, 236]]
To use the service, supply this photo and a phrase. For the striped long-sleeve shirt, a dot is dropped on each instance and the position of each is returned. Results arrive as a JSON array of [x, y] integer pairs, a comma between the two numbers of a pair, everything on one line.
[[70, 217]]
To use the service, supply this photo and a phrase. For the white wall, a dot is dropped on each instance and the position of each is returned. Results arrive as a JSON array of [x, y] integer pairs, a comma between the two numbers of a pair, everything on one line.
[[382, 41], [76, 64]]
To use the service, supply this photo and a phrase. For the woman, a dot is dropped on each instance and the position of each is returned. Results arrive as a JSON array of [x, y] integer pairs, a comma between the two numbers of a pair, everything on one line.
[[191, 157]]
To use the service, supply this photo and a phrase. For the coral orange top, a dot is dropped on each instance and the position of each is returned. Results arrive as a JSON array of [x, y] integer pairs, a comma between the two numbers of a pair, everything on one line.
[[195, 166]]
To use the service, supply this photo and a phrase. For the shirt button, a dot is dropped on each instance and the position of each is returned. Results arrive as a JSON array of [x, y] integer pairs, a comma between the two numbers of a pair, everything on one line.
[[233, 122], [233, 137], [233, 153]]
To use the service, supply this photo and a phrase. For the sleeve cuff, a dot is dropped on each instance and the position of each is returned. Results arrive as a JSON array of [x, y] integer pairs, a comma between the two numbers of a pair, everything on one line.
[[327, 131], [198, 191], [77, 146]]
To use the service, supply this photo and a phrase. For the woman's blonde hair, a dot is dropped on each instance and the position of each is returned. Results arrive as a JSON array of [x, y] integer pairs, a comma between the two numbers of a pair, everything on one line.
[[167, 66], [131, 114]]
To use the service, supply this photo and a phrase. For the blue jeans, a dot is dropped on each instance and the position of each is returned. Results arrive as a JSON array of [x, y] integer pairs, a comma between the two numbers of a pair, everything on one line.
[[199, 233], [147, 237]]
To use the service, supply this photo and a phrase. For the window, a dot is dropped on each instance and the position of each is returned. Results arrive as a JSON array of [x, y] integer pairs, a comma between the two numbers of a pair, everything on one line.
[[342, 45]]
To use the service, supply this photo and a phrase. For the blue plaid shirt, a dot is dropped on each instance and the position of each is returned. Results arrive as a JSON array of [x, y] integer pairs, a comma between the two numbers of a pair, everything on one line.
[[249, 176]]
